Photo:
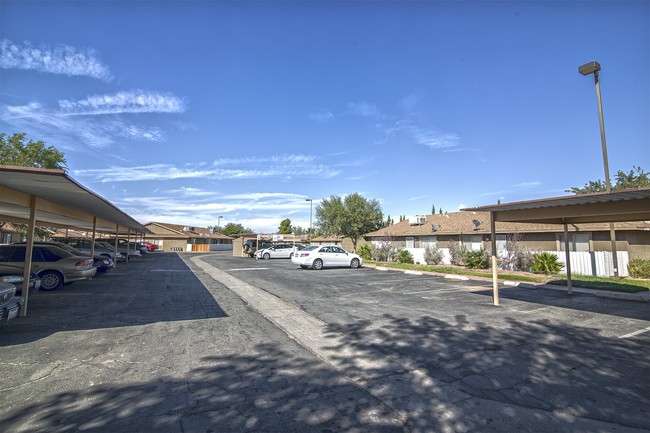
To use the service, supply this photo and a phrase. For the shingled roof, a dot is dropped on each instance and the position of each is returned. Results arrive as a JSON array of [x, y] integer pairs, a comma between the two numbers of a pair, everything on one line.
[[455, 223], [180, 231]]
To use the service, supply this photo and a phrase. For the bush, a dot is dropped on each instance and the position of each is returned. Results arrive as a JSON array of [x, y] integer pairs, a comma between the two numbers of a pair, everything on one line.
[[457, 253], [515, 256], [546, 263], [433, 256], [383, 252], [365, 251], [479, 259], [639, 268], [404, 257]]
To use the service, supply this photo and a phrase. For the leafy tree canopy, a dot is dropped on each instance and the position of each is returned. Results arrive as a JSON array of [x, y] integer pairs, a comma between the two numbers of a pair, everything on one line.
[[285, 227], [635, 178], [14, 151], [235, 230], [351, 217]]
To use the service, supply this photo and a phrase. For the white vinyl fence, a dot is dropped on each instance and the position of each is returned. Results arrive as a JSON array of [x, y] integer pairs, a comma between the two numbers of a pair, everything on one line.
[[597, 263]]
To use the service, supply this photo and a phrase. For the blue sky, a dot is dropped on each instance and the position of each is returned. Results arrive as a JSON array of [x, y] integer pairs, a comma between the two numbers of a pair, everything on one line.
[[182, 112]]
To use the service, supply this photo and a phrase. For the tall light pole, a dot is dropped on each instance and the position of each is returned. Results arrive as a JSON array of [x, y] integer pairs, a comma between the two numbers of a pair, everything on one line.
[[219, 223], [593, 68], [311, 205]]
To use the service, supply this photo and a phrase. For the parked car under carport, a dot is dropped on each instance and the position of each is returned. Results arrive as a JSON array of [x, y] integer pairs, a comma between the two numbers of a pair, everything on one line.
[[14, 275], [53, 265]]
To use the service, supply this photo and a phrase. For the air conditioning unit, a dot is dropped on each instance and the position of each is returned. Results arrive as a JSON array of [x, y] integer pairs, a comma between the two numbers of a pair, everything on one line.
[[417, 220]]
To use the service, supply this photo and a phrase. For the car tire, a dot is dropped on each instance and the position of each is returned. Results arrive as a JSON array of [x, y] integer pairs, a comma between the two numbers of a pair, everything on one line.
[[318, 264], [290, 256], [355, 263], [51, 280], [267, 256]]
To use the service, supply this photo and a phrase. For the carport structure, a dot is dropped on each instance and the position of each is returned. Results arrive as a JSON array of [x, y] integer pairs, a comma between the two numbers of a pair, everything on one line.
[[51, 198], [602, 207]]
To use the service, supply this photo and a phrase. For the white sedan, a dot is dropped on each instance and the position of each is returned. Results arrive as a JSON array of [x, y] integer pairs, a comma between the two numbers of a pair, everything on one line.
[[280, 251], [320, 256]]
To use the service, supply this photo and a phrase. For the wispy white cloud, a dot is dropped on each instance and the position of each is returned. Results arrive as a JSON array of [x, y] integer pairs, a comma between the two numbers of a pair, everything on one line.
[[419, 197], [515, 188], [75, 132], [322, 115], [354, 162], [528, 184], [364, 109], [96, 121], [64, 59], [293, 159], [260, 211], [226, 169], [134, 101]]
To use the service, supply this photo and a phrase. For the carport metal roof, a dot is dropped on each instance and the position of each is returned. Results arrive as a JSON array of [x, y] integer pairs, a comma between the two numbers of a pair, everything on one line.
[[615, 206], [61, 202]]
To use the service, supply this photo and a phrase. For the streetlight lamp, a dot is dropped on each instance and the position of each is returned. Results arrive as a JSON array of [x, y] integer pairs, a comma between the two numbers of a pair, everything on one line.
[[311, 204], [593, 68]]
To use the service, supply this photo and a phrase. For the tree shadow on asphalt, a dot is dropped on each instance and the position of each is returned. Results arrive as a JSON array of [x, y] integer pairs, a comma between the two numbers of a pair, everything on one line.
[[269, 391], [536, 376], [577, 301], [158, 287], [484, 378]]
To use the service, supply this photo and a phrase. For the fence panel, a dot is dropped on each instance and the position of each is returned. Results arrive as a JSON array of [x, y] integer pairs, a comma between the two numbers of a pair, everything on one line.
[[597, 263]]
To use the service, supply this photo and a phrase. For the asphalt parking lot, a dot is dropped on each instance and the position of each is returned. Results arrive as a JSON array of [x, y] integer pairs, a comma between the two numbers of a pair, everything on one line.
[[214, 343]]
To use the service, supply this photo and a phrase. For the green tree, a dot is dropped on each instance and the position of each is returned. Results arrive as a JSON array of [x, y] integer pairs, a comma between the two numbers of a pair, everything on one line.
[[351, 217], [389, 221], [635, 178], [297, 230], [235, 230], [285, 227], [14, 151], [42, 233], [433, 209]]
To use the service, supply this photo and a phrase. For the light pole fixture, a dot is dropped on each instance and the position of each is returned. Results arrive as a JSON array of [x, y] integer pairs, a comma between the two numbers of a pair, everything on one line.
[[594, 68], [311, 205]]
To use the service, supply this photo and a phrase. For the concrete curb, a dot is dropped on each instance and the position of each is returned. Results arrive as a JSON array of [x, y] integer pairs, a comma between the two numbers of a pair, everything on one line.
[[639, 297]]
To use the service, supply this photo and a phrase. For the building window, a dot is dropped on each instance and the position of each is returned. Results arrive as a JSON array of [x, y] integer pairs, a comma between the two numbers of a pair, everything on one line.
[[410, 242], [472, 242], [429, 241]]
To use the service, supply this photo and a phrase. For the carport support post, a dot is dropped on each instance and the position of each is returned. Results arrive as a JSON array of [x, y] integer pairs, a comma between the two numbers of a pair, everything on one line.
[[495, 261], [117, 234], [567, 259], [28, 256], [92, 244]]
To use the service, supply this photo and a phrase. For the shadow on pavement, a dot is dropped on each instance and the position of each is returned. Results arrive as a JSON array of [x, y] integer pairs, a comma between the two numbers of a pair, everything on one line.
[[524, 377], [273, 391], [158, 287], [536, 376], [578, 301]]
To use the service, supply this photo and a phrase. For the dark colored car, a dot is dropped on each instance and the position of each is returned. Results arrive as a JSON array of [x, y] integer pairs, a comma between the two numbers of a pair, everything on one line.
[[9, 302], [14, 275], [85, 246], [252, 245]]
